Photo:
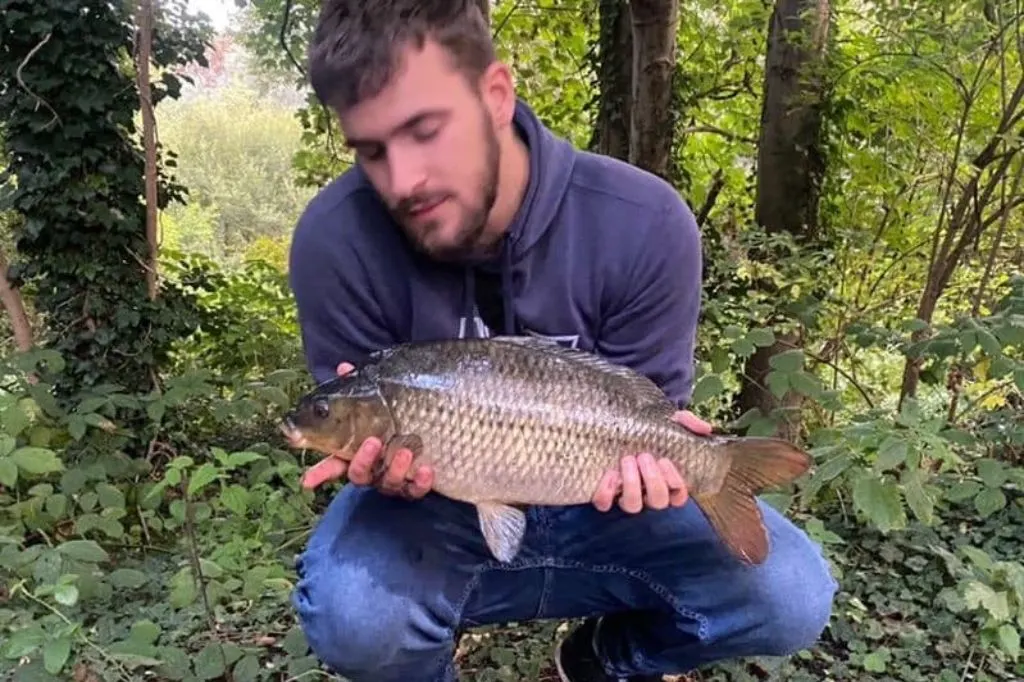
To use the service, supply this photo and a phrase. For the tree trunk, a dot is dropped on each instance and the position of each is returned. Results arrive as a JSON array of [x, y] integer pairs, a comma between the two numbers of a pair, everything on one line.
[[790, 167], [615, 80], [967, 219], [145, 45], [15, 308], [654, 62]]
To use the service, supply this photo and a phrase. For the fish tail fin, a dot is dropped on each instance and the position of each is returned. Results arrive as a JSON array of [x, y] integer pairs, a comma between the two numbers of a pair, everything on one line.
[[756, 464]]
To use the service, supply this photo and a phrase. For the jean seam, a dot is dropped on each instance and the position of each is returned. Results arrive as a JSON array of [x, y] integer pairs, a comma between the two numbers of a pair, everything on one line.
[[444, 659], [545, 590]]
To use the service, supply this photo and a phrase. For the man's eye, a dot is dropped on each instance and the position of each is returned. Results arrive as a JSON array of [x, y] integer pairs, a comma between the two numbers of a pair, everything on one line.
[[425, 134], [371, 153]]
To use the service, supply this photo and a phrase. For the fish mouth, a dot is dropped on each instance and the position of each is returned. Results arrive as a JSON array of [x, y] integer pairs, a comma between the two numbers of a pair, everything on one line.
[[292, 433]]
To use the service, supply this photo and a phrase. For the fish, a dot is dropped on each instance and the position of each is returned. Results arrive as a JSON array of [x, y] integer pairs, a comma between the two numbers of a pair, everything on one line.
[[512, 421]]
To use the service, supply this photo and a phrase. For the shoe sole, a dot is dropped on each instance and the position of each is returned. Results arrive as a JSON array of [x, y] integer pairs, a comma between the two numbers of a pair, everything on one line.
[[558, 662]]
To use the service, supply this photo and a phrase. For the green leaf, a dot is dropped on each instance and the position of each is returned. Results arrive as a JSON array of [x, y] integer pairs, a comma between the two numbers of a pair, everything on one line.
[[237, 459], [274, 394], [1009, 640], [978, 594], [247, 669], [805, 383], [920, 503], [788, 361], [66, 595], [833, 467], [209, 664], [109, 496], [891, 453], [235, 498], [83, 550], [761, 337], [1018, 378], [294, 643], [127, 578], [144, 632], [979, 557], [202, 477], [880, 502], [989, 501], [732, 332], [875, 662], [155, 410], [742, 347], [992, 472], [56, 654], [8, 472], [22, 642], [14, 419], [963, 490], [778, 383], [37, 461], [709, 386]]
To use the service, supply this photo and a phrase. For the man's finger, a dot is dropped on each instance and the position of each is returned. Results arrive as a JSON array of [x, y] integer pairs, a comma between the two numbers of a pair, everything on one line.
[[394, 477], [632, 500], [344, 368], [607, 489], [327, 469], [654, 482], [360, 471], [678, 492], [421, 482], [693, 423]]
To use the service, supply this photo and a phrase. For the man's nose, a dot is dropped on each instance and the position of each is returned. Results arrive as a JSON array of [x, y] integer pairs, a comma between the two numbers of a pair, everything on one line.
[[408, 172]]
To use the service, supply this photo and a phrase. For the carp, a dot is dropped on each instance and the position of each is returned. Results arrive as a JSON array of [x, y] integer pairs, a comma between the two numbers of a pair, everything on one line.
[[509, 421]]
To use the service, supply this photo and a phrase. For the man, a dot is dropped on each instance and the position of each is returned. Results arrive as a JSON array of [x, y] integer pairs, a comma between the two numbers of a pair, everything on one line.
[[466, 216]]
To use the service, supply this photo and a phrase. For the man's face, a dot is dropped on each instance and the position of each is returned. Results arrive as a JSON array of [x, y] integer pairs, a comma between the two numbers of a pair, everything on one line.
[[428, 144]]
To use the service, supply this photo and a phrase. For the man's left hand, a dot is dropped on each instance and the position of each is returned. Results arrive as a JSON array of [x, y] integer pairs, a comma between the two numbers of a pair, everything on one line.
[[643, 481]]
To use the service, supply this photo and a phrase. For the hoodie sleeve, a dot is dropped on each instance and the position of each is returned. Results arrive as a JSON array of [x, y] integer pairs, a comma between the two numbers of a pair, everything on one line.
[[652, 325], [340, 317]]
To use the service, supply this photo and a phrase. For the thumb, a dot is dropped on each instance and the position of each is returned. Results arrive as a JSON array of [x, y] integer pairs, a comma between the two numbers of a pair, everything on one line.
[[327, 469]]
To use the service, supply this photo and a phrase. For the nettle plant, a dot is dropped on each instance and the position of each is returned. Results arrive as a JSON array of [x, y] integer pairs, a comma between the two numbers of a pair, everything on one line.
[[113, 562]]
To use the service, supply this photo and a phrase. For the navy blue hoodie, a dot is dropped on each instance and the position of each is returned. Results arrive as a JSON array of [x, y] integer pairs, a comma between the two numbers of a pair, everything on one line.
[[601, 256]]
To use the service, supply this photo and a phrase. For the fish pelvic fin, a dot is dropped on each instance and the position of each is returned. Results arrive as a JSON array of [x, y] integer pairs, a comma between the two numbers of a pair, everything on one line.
[[503, 528], [756, 464]]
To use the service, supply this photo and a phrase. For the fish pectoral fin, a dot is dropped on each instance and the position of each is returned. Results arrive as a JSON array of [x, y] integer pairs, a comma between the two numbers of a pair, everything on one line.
[[503, 528]]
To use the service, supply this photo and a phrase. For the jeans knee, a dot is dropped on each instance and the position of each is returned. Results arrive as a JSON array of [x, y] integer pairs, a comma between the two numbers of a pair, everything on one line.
[[797, 607], [360, 632]]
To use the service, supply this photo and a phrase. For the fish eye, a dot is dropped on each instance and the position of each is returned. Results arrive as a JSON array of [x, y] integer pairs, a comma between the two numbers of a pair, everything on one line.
[[321, 409]]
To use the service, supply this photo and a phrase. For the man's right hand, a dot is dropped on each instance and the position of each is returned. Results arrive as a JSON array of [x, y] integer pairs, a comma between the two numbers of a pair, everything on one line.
[[398, 479]]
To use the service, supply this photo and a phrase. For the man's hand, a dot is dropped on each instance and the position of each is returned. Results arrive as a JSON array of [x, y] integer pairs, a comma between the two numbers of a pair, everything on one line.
[[659, 479], [398, 479]]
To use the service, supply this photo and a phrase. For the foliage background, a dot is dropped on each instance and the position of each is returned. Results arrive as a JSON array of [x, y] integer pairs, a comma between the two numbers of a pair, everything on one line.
[[149, 515]]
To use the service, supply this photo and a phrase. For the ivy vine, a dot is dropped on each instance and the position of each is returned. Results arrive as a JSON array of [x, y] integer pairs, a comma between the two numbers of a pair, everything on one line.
[[76, 174]]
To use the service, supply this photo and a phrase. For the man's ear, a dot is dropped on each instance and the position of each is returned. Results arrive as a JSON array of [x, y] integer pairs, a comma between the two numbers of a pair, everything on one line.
[[497, 86]]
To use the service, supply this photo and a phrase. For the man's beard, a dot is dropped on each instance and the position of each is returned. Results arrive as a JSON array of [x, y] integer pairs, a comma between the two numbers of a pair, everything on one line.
[[471, 241]]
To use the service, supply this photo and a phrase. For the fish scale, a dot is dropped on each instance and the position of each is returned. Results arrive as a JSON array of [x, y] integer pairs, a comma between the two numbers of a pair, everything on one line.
[[518, 421]]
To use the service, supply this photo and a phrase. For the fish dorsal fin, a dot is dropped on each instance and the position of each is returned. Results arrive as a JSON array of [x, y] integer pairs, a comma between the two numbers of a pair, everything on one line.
[[646, 390], [503, 528]]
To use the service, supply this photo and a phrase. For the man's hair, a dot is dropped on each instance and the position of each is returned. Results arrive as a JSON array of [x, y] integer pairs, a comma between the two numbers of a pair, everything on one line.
[[356, 46]]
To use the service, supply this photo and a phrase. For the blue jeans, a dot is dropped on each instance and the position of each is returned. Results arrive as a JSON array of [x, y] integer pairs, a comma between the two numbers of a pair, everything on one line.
[[385, 583]]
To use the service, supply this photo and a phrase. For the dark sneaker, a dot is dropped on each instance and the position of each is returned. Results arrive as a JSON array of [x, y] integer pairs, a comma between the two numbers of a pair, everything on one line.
[[576, 661]]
